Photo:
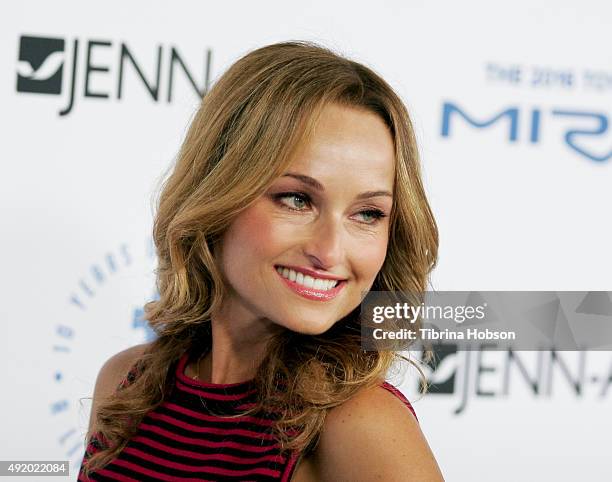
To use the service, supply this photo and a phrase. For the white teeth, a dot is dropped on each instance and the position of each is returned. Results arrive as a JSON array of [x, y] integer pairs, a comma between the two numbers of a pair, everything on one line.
[[307, 281]]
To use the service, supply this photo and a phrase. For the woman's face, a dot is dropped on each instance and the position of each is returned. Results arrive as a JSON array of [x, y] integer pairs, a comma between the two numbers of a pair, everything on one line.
[[331, 230]]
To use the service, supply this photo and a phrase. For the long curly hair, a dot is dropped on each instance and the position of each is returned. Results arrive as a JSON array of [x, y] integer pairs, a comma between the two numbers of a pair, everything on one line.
[[241, 139]]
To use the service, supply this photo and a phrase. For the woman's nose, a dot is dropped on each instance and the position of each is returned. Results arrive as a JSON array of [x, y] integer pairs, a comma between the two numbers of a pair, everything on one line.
[[324, 246]]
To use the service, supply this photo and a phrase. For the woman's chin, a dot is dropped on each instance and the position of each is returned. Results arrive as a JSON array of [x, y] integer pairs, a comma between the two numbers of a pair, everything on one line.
[[309, 327]]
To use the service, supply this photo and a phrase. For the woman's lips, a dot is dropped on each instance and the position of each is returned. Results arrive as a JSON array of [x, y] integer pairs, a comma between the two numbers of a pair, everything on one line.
[[312, 293]]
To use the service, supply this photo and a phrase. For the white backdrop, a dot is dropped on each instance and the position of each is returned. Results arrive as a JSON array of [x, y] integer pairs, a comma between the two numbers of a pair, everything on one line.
[[528, 210]]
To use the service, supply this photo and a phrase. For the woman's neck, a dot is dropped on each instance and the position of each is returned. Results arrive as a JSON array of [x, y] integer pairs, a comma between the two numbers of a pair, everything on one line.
[[237, 350]]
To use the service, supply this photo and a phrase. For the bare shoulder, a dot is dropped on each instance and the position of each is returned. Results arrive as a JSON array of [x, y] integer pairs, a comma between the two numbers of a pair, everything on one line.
[[374, 436], [113, 371], [117, 366]]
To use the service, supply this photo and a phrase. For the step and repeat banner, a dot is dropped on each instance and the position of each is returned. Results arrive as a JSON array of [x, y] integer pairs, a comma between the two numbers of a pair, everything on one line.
[[511, 103]]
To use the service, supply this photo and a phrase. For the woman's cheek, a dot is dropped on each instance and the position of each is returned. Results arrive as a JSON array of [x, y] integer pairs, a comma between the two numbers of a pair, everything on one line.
[[257, 226], [374, 256]]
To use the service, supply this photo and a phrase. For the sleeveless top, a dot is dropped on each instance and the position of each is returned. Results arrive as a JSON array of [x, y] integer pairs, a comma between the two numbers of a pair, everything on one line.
[[183, 440]]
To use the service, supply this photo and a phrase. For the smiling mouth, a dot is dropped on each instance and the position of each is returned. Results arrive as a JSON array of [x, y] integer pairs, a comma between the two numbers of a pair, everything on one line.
[[307, 281], [323, 290]]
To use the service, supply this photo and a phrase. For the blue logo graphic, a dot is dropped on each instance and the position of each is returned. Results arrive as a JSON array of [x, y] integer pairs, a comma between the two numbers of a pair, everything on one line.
[[99, 275], [512, 115]]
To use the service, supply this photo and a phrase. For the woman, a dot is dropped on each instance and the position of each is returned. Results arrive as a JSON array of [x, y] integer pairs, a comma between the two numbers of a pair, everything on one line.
[[296, 191]]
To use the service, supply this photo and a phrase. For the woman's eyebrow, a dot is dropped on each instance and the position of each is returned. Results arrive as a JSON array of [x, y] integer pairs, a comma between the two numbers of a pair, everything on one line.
[[312, 182]]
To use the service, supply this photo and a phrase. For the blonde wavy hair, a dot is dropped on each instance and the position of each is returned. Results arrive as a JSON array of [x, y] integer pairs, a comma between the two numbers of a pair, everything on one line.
[[241, 139]]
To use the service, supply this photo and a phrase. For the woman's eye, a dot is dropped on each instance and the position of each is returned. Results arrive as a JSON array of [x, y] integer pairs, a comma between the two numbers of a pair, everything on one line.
[[375, 215], [294, 195]]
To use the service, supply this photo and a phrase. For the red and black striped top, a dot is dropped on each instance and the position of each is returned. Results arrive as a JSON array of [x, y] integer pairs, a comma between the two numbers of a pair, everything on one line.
[[184, 439]]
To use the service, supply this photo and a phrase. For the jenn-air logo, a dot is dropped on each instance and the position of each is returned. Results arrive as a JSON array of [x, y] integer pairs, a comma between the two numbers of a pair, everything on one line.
[[41, 64], [463, 375], [442, 368], [78, 70]]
